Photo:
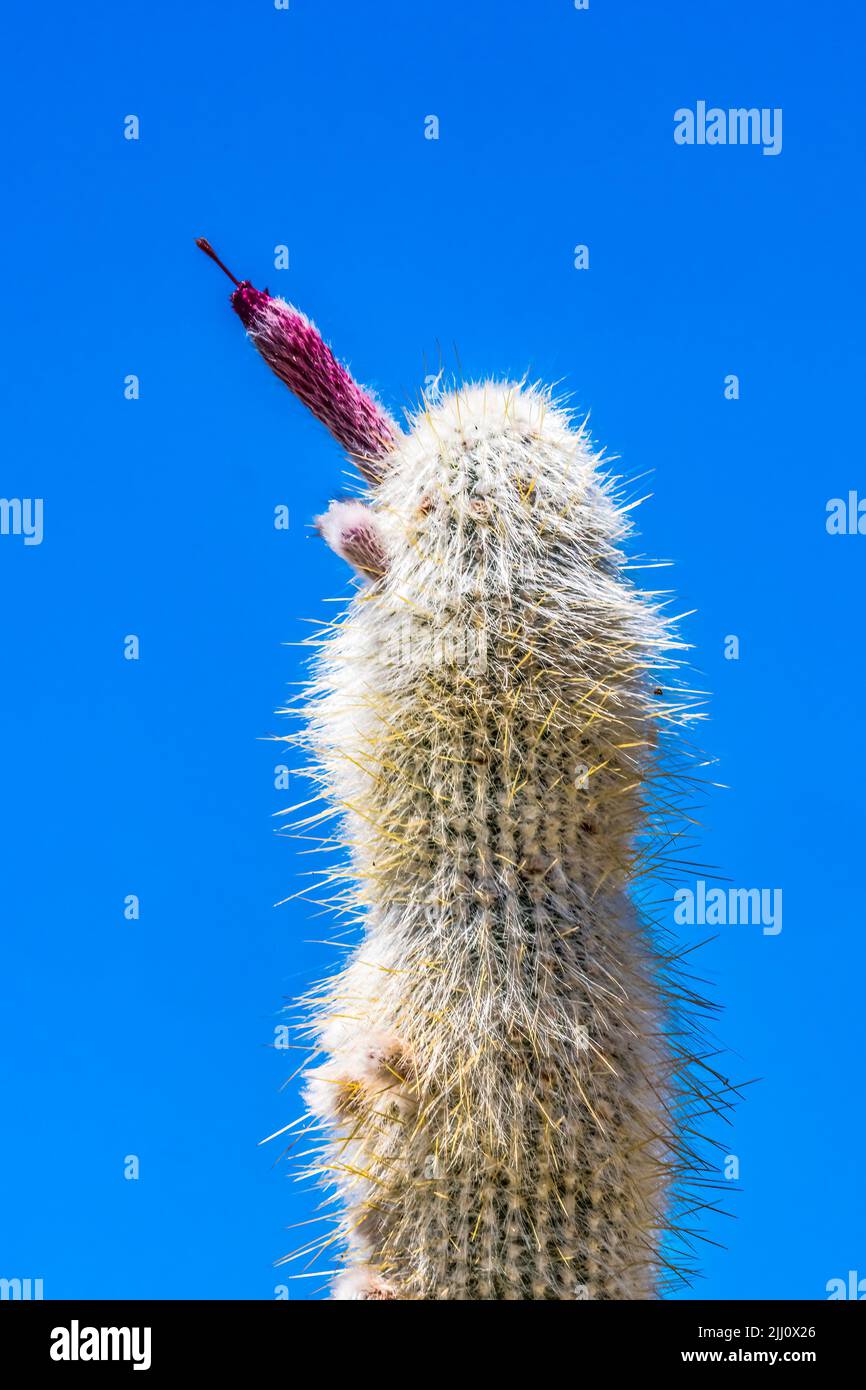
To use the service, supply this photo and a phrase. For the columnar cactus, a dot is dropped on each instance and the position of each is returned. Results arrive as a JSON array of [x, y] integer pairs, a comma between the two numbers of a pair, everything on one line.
[[507, 1076]]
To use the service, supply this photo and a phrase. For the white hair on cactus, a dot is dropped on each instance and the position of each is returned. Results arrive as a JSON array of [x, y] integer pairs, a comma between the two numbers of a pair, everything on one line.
[[350, 529], [509, 1071], [363, 1071], [363, 1283]]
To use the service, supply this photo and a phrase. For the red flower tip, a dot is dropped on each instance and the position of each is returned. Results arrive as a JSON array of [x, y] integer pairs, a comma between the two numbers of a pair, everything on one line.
[[247, 301]]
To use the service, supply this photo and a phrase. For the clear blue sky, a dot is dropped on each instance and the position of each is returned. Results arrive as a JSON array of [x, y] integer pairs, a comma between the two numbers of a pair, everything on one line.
[[305, 127]]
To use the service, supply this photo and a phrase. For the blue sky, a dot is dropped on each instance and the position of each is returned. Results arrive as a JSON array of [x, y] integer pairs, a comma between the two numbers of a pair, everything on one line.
[[305, 128]]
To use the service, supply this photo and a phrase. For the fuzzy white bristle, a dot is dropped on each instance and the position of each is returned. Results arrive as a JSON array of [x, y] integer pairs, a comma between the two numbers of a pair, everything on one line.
[[351, 530], [503, 1094]]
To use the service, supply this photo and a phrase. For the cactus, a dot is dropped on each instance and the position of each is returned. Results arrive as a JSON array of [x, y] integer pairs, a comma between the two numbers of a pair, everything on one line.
[[509, 1065]]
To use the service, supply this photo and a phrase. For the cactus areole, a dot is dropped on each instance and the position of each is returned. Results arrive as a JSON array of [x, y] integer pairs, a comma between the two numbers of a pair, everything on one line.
[[508, 1068]]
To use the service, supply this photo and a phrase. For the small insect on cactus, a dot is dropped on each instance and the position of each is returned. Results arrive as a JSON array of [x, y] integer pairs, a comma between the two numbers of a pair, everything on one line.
[[512, 1056]]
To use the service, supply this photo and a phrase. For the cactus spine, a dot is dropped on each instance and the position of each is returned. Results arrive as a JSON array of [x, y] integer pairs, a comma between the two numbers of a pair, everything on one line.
[[505, 1066]]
